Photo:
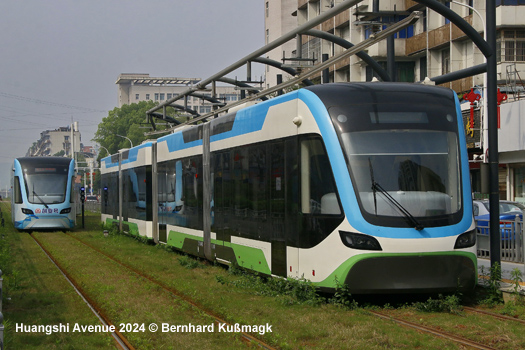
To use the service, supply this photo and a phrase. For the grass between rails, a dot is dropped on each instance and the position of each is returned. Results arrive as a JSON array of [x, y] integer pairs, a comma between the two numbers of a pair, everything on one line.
[[237, 299], [36, 293], [299, 319], [243, 299]]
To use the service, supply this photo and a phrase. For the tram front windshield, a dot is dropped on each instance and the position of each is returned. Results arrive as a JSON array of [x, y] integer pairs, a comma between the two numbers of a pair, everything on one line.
[[46, 184], [403, 160]]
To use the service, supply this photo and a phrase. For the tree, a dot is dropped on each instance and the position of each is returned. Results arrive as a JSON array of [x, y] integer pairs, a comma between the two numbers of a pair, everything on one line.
[[129, 121], [125, 121]]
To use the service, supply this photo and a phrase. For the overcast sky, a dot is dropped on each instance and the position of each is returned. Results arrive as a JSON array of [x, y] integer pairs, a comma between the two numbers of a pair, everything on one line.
[[59, 59]]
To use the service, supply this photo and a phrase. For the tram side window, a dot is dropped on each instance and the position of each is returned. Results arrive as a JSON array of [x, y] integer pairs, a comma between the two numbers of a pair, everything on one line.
[[318, 192], [192, 191], [72, 190], [17, 191], [110, 199]]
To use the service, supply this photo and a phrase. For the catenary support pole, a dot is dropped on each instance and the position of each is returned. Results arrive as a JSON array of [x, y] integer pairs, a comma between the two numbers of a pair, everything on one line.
[[492, 114]]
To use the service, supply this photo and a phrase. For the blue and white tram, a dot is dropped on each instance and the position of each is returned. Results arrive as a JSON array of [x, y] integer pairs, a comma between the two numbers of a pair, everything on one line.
[[43, 193], [364, 184], [127, 190]]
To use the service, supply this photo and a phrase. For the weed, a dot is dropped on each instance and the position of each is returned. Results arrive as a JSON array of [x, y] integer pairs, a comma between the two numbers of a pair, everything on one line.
[[450, 304], [493, 285], [221, 279], [342, 296], [516, 277], [188, 262], [290, 291]]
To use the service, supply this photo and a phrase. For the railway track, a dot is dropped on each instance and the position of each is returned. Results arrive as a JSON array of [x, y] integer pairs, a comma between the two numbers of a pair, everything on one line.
[[123, 343], [498, 316], [439, 333], [120, 339], [435, 332]]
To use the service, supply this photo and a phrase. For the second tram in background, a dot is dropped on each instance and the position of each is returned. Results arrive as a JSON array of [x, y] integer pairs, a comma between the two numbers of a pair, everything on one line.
[[365, 184], [42, 197]]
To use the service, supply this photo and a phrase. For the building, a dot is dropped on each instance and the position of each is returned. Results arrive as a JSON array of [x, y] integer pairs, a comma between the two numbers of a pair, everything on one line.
[[56, 143], [133, 88], [278, 20], [430, 48]]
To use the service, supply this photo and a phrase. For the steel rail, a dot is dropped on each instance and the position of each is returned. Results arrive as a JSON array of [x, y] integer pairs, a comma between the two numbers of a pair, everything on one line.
[[247, 337], [438, 333], [501, 317], [122, 342]]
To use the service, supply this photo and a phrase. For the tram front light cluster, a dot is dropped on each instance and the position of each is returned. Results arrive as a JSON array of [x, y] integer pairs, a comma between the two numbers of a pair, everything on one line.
[[27, 211], [466, 240], [359, 241], [65, 211]]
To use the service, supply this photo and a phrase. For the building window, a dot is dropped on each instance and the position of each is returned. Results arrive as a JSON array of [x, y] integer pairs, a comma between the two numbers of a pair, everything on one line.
[[383, 22], [445, 61], [267, 9], [404, 71], [511, 46], [162, 97], [136, 96], [156, 96], [267, 36], [204, 109], [510, 2], [147, 97], [168, 96], [229, 97]]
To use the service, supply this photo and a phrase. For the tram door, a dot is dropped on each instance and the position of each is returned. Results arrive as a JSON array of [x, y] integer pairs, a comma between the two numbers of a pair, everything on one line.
[[277, 208]]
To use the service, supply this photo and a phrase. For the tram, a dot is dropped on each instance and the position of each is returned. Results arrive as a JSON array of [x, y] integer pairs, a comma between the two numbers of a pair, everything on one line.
[[363, 184], [42, 196]]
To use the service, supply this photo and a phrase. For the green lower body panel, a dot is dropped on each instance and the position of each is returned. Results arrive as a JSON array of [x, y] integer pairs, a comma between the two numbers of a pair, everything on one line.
[[129, 227], [406, 273], [247, 257]]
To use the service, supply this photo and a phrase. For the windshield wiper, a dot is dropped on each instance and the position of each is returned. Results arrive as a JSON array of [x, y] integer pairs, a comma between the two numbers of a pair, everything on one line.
[[373, 184], [41, 200], [377, 187]]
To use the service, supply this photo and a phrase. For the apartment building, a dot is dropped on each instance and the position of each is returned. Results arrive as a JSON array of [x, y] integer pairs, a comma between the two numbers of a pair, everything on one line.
[[58, 142], [431, 47]]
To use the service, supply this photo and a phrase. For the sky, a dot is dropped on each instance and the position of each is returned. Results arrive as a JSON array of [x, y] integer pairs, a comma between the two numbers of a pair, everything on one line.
[[60, 59]]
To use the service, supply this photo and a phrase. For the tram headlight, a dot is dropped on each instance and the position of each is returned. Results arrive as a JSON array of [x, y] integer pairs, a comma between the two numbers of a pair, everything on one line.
[[27, 211], [359, 241], [466, 240], [65, 211]]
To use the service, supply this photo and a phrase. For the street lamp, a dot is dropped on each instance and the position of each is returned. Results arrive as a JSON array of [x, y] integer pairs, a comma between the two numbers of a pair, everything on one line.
[[107, 152], [125, 137]]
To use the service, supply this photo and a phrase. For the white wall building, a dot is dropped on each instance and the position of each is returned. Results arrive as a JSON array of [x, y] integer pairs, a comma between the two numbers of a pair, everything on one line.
[[133, 88], [53, 142], [279, 20]]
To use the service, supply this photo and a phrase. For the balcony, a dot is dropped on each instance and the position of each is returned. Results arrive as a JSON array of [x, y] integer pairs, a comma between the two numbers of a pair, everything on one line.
[[301, 3], [379, 50], [438, 37]]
